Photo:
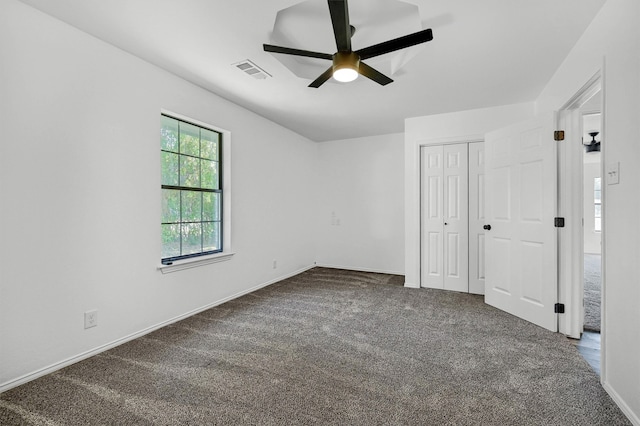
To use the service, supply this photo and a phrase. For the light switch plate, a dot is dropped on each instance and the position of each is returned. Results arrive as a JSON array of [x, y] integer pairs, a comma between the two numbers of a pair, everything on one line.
[[90, 319], [613, 173]]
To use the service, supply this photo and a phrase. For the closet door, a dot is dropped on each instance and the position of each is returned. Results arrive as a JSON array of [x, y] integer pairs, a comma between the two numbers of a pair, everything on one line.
[[444, 217], [432, 172], [476, 218], [456, 218]]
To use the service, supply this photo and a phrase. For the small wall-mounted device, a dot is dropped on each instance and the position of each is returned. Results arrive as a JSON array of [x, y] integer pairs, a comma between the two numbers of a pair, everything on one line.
[[613, 173]]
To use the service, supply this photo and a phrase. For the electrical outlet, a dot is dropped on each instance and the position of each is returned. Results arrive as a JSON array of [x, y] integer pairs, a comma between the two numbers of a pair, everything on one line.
[[275, 264], [90, 319]]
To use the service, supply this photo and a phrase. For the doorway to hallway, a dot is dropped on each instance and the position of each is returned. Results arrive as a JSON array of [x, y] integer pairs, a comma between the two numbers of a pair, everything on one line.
[[592, 212]]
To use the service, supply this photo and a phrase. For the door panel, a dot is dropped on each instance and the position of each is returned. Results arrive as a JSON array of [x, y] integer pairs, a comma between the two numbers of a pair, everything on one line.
[[444, 218], [431, 199], [456, 218], [476, 218], [521, 247]]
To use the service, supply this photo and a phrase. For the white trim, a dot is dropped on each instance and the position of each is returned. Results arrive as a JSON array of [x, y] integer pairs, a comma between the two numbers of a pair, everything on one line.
[[192, 120], [180, 265], [571, 206], [413, 204], [451, 140], [603, 227], [633, 418], [84, 355], [359, 269], [588, 90]]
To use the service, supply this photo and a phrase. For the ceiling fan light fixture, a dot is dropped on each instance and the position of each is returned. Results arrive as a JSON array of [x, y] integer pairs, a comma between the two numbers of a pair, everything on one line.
[[345, 75], [593, 145], [345, 66], [346, 63]]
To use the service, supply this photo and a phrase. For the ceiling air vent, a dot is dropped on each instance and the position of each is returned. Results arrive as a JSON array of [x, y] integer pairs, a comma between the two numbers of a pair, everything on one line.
[[252, 69]]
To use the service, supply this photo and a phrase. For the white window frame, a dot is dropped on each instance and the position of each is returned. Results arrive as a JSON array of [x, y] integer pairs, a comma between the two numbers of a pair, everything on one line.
[[227, 252]]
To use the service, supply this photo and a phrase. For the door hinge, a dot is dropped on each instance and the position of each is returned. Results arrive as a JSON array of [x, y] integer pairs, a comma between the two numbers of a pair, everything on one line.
[[558, 135], [558, 222], [558, 308]]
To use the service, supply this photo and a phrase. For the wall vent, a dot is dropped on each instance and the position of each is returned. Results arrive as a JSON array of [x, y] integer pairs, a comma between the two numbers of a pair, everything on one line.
[[252, 69]]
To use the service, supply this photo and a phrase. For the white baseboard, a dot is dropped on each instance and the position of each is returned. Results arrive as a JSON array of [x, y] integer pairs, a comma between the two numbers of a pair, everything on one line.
[[72, 360], [359, 269], [633, 417]]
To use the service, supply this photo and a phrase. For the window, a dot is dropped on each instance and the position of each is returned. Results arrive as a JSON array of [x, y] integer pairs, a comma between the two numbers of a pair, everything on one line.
[[191, 182], [597, 201]]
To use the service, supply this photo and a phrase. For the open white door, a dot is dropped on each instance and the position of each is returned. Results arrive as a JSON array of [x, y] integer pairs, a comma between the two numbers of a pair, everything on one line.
[[476, 218], [521, 245]]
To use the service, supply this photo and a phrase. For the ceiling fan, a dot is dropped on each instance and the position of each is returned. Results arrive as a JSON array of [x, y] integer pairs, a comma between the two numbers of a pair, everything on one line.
[[347, 64]]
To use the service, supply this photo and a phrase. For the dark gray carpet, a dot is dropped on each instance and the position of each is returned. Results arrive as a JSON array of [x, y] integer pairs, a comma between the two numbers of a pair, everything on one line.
[[329, 347], [592, 292]]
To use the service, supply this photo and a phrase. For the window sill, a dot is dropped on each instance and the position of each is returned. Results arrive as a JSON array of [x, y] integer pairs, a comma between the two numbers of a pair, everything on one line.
[[195, 262]]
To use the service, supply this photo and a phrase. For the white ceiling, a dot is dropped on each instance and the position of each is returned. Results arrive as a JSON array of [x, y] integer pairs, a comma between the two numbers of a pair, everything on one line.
[[484, 53]]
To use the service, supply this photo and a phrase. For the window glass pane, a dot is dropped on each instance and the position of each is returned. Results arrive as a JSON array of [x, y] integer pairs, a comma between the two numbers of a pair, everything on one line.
[[211, 236], [170, 168], [189, 171], [191, 238], [189, 139], [598, 210], [191, 214], [169, 134], [210, 206], [209, 174], [170, 240], [209, 144], [191, 206], [598, 225], [170, 206], [597, 184]]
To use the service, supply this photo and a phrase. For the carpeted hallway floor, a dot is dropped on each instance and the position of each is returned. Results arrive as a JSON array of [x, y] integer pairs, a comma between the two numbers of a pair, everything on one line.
[[329, 347], [592, 291]]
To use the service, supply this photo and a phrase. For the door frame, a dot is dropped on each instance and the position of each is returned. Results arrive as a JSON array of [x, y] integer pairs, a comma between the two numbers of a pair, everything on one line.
[[570, 206]]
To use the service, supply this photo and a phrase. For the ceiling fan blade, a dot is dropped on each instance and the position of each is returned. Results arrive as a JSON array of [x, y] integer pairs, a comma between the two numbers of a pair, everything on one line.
[[374, 74], [297, 52], [322, 79], [340, 19], [396, 44]]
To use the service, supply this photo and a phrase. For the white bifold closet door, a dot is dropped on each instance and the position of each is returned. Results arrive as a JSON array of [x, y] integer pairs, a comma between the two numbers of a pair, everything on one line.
[[445, 217], [476, 218]]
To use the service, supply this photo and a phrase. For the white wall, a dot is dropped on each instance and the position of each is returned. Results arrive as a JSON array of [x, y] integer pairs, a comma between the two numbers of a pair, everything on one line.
[[591, 237], [361, 204], [612, 43], [79, 176], [461, 126]]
